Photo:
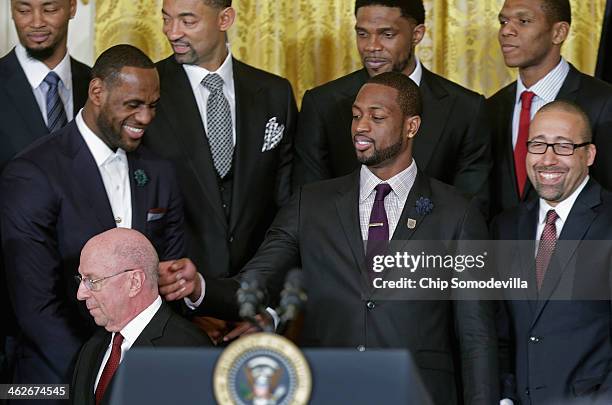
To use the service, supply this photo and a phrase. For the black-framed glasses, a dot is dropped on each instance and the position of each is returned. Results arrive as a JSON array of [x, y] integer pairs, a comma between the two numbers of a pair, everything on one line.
[[95, 285], [560, 148]]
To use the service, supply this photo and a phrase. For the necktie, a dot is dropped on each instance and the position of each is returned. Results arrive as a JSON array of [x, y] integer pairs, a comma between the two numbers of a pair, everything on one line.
[[56, 116], [548, 240], [219, 125], [378, 229], [110, 367], [520, 150]]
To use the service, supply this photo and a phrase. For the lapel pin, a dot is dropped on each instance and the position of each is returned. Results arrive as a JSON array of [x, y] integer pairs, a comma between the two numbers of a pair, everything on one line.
[[411, 223]]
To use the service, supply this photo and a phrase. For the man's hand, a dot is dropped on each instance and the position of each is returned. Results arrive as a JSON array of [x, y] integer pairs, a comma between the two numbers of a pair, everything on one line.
[[213, 327], [178, 279], [264, 321]]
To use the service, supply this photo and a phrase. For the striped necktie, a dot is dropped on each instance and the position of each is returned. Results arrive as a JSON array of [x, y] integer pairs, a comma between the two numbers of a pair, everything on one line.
[[56, 116]]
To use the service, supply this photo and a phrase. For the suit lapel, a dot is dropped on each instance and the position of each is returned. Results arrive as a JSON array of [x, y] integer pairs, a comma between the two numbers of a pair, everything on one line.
[[80, 86], [140, 194], [420, 189], [571, 85], [184, 117], [99, 350], [527, 225], [155, 328], [249, 140], [436, 100], [505, 116]]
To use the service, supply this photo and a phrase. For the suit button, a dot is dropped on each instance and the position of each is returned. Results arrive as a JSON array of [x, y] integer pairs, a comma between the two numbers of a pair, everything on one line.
[[534, 339], [231, 239], [222, 188], [527, 391], [371, 304], [361, 348], [224, 206]]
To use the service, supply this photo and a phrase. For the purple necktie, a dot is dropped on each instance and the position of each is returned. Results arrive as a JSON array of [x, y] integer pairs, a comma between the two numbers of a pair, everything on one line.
[[378, 228]]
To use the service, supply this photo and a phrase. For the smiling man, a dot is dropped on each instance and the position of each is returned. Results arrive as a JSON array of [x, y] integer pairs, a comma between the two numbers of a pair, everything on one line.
[[559, 350], [454, 141], [89, 177], [531, 34]]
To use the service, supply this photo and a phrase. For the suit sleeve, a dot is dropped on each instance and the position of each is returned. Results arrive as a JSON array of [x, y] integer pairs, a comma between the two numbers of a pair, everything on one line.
[[285, 162], [475, 329], [475, 162], [311, 149], [34, 272], [278, 254], [174, 232]]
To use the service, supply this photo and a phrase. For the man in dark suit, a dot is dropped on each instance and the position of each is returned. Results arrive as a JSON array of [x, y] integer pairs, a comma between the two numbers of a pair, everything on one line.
[[453, 145], [41, 51], [89, 177], [231, 145], [531, 35], [323, 228], [558, 347], [118, 282]]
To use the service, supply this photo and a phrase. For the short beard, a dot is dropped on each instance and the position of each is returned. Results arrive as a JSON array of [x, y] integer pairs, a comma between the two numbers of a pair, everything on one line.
[[41, 54], [107, 133], [380, 156]]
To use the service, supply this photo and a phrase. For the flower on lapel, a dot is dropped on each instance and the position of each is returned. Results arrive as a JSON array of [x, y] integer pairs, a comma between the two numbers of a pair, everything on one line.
[[424, 206], [141, 177]]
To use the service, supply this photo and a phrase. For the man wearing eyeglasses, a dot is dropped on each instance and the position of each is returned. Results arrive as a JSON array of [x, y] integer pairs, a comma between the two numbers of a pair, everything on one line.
[[557, 337], [118, 282]]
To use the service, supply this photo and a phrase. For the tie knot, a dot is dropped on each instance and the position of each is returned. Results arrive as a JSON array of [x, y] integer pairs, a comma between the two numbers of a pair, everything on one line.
[[551, 217], [213, 82], [52, 79], [117, 339], [382, 190], [526, 98]]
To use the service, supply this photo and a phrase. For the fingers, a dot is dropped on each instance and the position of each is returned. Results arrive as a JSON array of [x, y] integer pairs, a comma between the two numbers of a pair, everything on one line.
[[242, 328]]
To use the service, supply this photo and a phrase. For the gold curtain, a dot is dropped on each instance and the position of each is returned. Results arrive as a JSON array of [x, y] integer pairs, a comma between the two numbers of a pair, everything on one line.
[[312, 41]]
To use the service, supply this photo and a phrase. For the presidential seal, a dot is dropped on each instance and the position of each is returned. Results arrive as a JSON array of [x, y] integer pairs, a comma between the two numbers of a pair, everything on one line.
[[262, 369]]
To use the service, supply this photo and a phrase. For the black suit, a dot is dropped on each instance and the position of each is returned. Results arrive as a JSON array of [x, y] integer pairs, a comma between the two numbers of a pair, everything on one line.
[[557, 349], [452, 145], [593, 95], [54, 202], [319, 230], [220, 244], [166, 329]]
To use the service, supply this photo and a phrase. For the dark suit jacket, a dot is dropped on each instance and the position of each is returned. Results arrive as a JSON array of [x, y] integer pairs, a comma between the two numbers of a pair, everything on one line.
[[593, 95], [453, 144], [166, 329], [319, 230], [558, 342], [261, 180], [54, 201]]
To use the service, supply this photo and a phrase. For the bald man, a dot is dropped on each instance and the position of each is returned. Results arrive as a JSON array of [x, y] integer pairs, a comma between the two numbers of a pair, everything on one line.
[[118, 282]]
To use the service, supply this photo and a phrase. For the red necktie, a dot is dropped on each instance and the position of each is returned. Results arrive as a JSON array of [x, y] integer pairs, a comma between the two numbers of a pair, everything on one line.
[[520, 150], [548, 240], [110, 367]]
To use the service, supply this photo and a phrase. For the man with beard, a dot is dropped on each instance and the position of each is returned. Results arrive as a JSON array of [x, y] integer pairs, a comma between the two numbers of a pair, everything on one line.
[[41, 87], [89, 177], [323, 228], [454, 140]]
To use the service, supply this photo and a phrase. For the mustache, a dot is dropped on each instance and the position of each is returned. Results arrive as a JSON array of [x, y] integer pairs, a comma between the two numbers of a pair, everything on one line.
[[550, 169]]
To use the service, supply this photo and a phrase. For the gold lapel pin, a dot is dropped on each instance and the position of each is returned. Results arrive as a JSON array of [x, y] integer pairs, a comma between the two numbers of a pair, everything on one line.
[[411, 223]]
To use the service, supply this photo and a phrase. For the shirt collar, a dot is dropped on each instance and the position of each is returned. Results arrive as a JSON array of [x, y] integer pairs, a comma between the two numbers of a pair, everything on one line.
[[197, 73], [417, 73], [564, 207], [400, 184], [100, 151], [36, 71], [134, 328], [547, 87]]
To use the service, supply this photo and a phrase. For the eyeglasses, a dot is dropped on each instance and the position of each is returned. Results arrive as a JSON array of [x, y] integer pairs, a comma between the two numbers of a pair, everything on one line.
[[560, 148], [94, 285]]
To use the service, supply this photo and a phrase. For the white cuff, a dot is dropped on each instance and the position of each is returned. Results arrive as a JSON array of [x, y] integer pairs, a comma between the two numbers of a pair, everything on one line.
[[506, 401], [194, 305], [274, 316]]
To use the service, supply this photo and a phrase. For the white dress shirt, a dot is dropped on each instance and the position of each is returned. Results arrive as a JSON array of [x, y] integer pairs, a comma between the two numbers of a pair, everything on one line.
[[114, 169], [401, 184], [36, 71], [417, 73], [196, 74], [546, 90], [130, 333]]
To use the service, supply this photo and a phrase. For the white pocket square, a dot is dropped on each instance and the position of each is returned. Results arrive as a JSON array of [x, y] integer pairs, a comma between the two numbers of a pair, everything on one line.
[[156, 213], [273, 134]]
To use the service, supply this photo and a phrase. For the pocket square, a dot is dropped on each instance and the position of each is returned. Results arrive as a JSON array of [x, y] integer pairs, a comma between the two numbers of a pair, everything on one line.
[[156, 213], [273, 134]]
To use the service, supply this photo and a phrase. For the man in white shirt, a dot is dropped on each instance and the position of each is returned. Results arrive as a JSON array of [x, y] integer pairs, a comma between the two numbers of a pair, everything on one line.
[[89, 177], [531, 35], [556, 346], [118, 282]]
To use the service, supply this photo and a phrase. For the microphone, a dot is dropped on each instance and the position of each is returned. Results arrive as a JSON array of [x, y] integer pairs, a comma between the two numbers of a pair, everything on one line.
[[250, 299], [293, 297]]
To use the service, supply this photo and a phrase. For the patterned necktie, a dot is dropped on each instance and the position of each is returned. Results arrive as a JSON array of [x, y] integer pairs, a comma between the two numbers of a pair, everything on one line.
[[219, 125], [56, 116], [548, 240], [378, 228], [110, 367], [520, 150]]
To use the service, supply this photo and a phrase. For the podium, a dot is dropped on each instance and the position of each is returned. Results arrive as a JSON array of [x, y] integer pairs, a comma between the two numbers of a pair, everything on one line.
[[339, 376]]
